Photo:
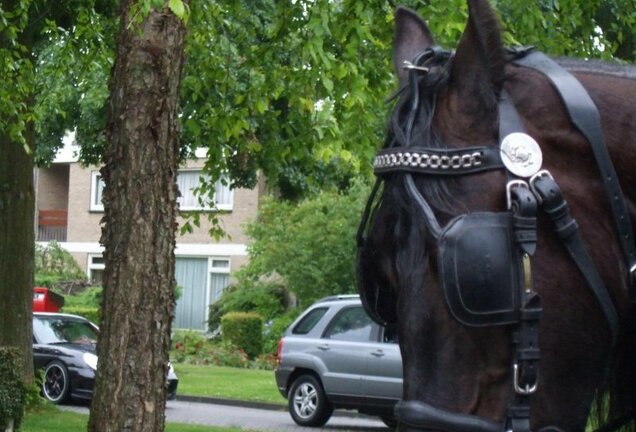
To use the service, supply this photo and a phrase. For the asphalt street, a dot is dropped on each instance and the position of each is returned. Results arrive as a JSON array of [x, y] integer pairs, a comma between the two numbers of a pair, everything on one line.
[[255, 417]]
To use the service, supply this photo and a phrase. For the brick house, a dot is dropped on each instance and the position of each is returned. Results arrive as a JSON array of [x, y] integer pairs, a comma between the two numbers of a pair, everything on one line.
[[69, 210]]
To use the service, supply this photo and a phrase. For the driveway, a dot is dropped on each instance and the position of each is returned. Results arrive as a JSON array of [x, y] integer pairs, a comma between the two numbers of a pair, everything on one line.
[[255, 417]]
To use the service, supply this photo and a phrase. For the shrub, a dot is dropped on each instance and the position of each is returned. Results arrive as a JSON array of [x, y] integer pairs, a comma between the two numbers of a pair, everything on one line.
[[244, 330], [33, 397], [54, 267], [12, 389], [90, 313], [192, 348], [264, 361], [89, 298], [187, 344], [267, 299], [225, 354]]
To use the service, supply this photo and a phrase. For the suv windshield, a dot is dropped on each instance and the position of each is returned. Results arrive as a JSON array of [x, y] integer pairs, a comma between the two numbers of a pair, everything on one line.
[[51, 330]]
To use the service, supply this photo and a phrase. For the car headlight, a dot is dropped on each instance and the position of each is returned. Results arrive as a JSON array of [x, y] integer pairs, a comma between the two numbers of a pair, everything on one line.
[[90, 360]]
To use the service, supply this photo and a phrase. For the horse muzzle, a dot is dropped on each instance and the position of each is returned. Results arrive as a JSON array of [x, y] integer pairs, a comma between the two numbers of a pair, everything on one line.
[[423, 416]]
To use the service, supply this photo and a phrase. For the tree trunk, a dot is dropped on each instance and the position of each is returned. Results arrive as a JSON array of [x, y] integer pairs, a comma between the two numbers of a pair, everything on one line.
[[140, 223], [17, 244], [17, 207]]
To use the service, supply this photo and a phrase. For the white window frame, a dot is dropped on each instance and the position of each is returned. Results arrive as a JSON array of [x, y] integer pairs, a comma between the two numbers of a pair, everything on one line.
[[90, 265], [96, 181], [215, 270], [228, 206]]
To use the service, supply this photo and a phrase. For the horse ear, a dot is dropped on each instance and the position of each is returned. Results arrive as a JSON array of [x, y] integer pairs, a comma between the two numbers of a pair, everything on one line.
[[412, 36], [480, 57]]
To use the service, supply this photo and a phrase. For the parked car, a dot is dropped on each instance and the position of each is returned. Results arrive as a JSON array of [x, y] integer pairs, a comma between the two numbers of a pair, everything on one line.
[[64, 348], [334, 356]]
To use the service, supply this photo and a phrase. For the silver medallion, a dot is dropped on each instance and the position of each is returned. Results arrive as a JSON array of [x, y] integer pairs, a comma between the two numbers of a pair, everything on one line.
[[521, 154]]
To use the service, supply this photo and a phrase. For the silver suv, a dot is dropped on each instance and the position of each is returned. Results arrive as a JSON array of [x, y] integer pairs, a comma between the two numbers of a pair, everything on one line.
[[334, 356]]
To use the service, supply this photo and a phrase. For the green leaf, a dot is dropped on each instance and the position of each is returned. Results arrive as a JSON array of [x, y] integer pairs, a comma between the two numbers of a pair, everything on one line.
[[328, 84], [178, 8]]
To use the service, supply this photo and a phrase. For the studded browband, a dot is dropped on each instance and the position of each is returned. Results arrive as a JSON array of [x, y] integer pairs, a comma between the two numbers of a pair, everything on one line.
[[437, 161]]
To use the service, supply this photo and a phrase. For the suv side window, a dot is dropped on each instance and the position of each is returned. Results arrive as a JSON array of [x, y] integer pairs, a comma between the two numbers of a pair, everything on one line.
[[308, 322], [351, 324]]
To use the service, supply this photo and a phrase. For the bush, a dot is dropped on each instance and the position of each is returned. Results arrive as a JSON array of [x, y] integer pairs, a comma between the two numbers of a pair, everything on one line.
[[55, 267], [267, 299], [191, 347], [89, 298], [12, 389], [187, 344], [243, 330], [90, 313]]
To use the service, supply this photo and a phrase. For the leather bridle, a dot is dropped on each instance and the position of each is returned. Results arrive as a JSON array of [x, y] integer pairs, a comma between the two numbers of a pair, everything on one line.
[[528, 190]]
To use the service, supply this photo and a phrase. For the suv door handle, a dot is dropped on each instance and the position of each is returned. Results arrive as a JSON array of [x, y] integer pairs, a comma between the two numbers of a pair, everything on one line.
[[324, 347], [378, 353]]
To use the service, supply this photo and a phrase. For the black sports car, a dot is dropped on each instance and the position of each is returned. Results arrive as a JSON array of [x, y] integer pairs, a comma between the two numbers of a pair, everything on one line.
[[64, 348]]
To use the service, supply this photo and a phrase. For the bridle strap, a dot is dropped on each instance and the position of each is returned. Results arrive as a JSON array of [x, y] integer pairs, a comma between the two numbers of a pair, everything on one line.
[[585, 116], [525, 336], [443, 162], [567, 229]]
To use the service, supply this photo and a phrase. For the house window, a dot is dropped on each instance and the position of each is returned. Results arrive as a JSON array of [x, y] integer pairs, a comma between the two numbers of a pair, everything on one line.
[[97, 190], [189, 181], [95, 269], [202, 281], [219, 278]]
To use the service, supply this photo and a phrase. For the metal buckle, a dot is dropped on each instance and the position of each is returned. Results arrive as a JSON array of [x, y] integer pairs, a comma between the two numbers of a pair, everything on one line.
[[509, 186], [533, 180], [410, 66], [522, 391]]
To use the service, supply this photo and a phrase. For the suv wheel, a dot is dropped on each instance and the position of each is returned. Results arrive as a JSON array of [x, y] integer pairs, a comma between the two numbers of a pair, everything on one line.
[[308, 404]]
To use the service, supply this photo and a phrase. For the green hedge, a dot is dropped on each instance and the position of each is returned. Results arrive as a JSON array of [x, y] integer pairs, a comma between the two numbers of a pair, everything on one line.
[[243, 330], [90, 313], [12, 389]]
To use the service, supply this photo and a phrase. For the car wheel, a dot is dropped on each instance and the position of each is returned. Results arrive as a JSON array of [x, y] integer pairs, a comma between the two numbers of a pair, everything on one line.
[[308, 404], [390, 421], [56, 383]]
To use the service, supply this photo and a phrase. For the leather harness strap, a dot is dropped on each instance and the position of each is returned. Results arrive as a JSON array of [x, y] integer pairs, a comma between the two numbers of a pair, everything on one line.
[[567, 229], [525, 337], [586, 118]]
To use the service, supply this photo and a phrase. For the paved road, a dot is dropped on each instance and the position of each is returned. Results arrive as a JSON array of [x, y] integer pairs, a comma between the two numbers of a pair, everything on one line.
[[255, 418]]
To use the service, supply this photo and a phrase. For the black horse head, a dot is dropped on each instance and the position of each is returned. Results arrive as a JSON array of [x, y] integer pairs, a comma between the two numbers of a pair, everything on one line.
[[461, 374]]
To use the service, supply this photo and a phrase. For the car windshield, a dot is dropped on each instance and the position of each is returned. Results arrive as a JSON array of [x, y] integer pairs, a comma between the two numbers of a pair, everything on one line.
[[55, 329]]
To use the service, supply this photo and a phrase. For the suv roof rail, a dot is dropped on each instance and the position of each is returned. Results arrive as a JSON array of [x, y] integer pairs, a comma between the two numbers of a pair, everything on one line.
[[339, 297]]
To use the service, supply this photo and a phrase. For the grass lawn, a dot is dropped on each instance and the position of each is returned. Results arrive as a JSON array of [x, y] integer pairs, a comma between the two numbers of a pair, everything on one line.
[[228, 383], [50, 419]]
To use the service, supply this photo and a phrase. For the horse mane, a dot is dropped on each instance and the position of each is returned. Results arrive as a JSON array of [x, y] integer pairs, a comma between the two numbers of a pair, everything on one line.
[[423, 100], [600, 67]]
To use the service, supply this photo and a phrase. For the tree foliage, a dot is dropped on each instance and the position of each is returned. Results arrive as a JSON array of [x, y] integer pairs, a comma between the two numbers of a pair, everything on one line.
[[311, 245], [296, 89]]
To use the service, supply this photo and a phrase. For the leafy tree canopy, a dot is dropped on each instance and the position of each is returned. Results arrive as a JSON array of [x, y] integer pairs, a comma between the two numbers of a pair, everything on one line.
[[294, 88], [311, 245]]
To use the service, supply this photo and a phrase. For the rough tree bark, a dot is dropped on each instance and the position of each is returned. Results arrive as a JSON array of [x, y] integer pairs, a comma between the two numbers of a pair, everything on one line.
[[16, 250], [17, 238], [139, 216]]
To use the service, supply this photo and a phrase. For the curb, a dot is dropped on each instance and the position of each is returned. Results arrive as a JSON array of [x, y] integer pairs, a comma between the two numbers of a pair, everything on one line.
[[258, 405], [231, 402]]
